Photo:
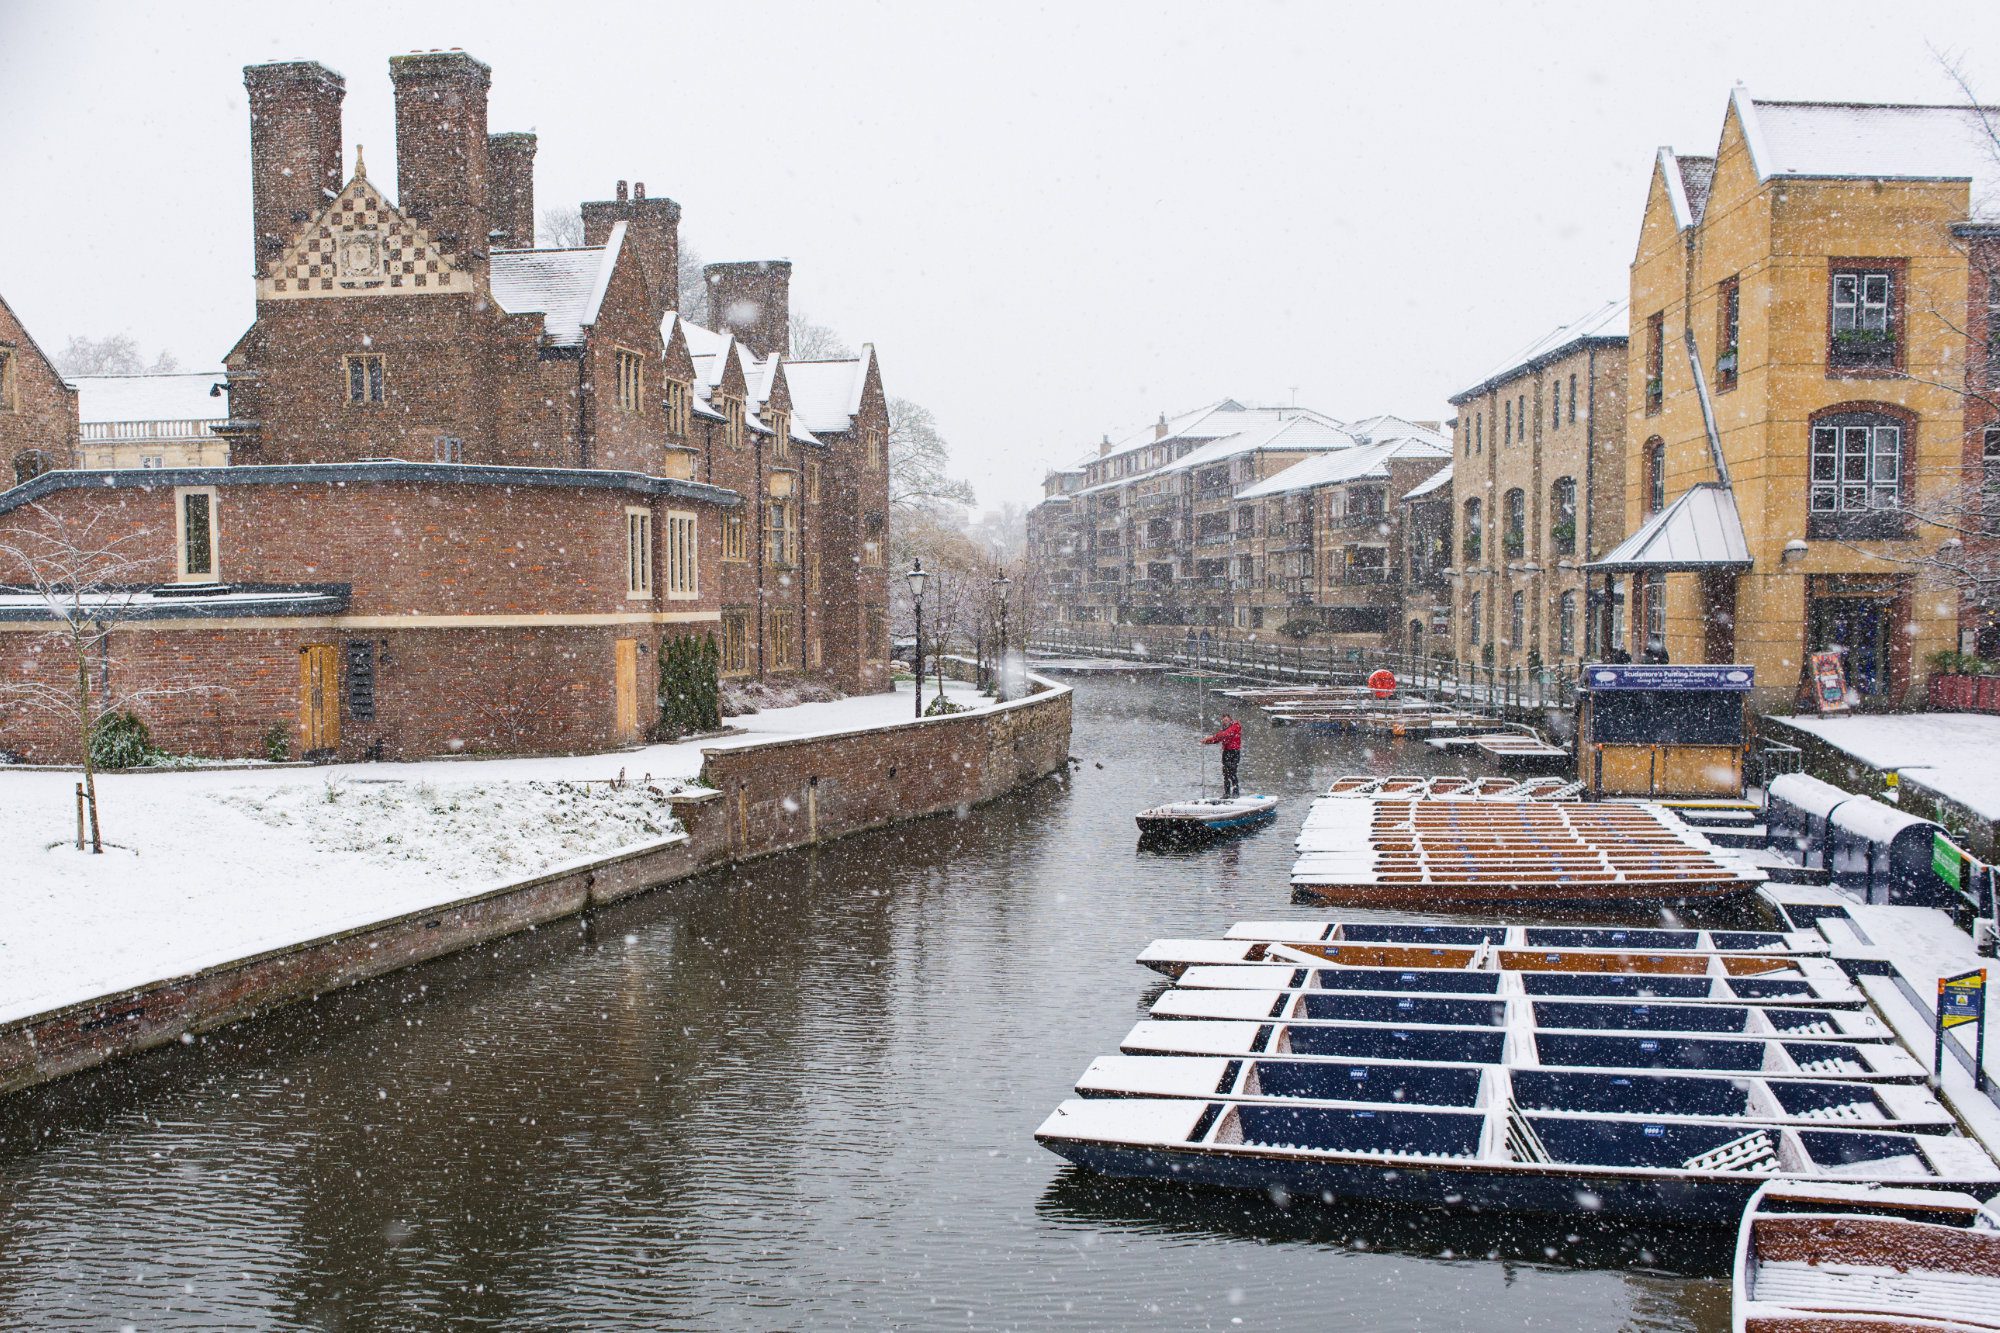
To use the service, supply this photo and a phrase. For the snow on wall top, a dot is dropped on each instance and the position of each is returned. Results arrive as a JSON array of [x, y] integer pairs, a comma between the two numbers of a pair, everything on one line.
[[103, 399], [1842, 139]]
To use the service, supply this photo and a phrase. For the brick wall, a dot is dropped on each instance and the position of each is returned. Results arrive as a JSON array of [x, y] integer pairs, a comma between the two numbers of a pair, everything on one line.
[[37, 410]]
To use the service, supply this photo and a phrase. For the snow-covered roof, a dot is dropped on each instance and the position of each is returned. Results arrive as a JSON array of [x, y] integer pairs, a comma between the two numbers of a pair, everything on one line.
[[827, 394], [1430, 485], [182, 396], [1361, 463], [1876, 142], [1699, 531], [1387, 426], [1607, 321], [565, 287]]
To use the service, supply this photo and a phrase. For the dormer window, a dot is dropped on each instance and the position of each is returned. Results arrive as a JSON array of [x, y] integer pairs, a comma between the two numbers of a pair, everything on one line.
[[732, 421], [781, 437], [677, 407]]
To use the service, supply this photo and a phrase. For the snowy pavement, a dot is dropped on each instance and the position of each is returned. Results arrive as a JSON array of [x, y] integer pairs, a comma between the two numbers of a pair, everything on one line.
[[1952, 754], [206, 866]]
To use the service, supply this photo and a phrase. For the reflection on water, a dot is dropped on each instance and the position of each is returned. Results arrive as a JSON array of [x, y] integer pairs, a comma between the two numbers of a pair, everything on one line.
[[796, 1094]]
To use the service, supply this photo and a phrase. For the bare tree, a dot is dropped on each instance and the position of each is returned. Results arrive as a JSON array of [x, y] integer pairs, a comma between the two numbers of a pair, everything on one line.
[[920, 480], [693, 286], [87, 578], [116, 355], [559, 227], [812, 341]]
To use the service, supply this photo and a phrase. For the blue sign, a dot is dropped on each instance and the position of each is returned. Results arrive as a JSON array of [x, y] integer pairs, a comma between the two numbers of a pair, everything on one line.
[[1662, 676]]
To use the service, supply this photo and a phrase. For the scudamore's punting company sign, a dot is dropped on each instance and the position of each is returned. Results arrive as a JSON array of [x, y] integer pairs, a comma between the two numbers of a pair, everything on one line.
[[1662, 676]]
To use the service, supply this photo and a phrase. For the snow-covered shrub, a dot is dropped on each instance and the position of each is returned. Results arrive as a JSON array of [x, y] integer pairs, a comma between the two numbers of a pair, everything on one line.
[[121, 740]]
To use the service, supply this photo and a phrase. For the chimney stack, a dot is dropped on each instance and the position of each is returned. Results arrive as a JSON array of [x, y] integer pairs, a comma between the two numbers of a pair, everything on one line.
[[1160, 427], [753, 300], [442, 173], [511, 160], [294, 150], [653, 229]]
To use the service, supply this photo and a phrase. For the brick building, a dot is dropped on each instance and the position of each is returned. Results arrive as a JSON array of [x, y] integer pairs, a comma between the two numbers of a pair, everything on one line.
[[1538, 483], [1186, 525], [38, 422], [1805, 306], [473, 485]]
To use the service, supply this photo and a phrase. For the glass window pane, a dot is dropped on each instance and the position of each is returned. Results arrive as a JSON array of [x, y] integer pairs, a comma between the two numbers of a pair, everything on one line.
[[1883, 497], [1854, 467], [1822, 467], [1854, 497], [1823, 499]]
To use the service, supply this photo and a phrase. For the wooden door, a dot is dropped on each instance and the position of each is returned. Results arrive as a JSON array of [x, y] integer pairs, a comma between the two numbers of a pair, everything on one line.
[[319, 698], [627, 689]]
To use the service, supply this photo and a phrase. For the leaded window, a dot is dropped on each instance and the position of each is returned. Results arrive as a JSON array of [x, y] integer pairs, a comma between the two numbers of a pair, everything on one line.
[[1857, 475]]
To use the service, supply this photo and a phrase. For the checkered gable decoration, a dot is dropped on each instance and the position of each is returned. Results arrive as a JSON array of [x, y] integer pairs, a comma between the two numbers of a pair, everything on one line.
[[361, 246]]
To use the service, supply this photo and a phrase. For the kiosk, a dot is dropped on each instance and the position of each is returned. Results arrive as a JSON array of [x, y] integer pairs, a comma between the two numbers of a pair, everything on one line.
[[1660, 730]]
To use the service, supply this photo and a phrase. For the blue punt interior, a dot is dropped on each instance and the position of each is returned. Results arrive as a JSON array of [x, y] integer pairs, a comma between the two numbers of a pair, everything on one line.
[[1449, 980], [1769, 988], [1403, 1009], [1605, 937], [1418, 1085], [1741, 941], [1592, 1051], [1802, 1097], [1634, 1142], [1450, 1044], [1380, 932], [1633, 986], [1642, 1017], [1332, 1129], [1834, 1148], [1635, 1094]]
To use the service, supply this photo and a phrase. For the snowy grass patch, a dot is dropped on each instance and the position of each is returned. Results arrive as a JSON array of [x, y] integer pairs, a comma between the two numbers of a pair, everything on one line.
[[463, 830]]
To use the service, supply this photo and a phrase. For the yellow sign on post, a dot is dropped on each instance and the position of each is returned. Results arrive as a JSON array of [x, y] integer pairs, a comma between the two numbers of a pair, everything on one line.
[[1961, 1000]]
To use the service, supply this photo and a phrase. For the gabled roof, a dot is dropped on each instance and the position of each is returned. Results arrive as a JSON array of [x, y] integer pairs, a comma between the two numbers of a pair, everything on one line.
[[826, 395], [1360, 463], [565, 287], [1293, 433], [1386, 426], [1217, 419], [1698, 531], [1604, 324], [1865, 141], [1430, 485], [1697, 177], [176, 397]]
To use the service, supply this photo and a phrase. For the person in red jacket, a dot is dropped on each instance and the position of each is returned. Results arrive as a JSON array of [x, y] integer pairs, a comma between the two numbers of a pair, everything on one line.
[[1230, 738]]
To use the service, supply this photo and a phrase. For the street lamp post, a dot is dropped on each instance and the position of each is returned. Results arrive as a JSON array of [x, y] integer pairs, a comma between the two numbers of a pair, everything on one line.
[[1000, 586], [916, 576]]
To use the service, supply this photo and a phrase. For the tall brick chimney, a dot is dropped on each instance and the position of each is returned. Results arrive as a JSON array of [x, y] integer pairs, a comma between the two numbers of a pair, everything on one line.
[[442, 174], [294, 149], [652, 228], [752, 299], [511, 160]]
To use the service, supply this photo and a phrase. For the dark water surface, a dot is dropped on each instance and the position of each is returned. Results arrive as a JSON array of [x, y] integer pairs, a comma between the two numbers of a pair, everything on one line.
[[794, 1095]]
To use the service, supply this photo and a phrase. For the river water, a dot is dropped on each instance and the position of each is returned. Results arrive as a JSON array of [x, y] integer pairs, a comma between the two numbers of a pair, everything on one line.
[[798, 1094]]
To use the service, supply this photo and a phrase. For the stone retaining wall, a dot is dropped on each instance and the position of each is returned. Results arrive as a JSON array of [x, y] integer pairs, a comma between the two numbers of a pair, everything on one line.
[[767, 798]]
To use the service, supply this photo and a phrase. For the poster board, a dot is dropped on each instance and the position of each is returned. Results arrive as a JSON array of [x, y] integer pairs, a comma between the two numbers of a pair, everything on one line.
[[1829, 683]]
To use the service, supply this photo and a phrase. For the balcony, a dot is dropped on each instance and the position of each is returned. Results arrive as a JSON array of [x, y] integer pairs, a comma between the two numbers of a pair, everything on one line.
[[1361, 520]]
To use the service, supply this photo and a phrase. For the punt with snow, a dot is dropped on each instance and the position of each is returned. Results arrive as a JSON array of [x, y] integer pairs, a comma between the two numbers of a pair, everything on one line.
[[1544, 1015], [1903, 1108], [1496, 1157], [1827, 988], [1516, 1046], [1174, 956], [1647, 938], [1205, 820]]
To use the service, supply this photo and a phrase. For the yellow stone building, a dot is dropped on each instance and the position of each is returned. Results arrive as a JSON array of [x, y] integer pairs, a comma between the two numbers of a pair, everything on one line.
[[1809, 278]]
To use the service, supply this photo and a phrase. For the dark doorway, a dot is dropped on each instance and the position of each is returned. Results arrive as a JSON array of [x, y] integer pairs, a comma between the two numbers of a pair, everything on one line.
[[1862, 626]]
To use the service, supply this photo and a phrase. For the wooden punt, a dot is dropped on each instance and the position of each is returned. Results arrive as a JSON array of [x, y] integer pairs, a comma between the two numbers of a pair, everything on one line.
[[1624, 1052], [1835, 1256], [1174, 956], [1902, 1108], [1609, 1015], [1364, 786], [1828, 987], [1652, 939], [1496, 1157]]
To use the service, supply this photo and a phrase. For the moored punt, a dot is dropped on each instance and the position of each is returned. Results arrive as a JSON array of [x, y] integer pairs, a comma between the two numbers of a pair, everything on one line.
[[1532, 937], [1172, 956], [1829, 989], [1376, 787], [1539, 1048], [1834, 1256], [1431, 853], [1491, 1158], [1888, 1106], [1544, 1015]]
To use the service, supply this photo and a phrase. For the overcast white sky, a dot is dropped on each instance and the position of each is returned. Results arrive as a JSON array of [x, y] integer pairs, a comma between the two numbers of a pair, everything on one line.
[[1053, 221]]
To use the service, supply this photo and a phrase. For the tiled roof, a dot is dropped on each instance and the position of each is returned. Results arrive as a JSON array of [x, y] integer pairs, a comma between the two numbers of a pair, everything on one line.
[[176, 397], [565, 287], [1877, 142], [1356, 464]]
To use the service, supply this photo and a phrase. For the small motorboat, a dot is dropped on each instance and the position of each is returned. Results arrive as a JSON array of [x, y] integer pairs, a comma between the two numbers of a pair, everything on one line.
[[1845, 1256], [1208, 817]]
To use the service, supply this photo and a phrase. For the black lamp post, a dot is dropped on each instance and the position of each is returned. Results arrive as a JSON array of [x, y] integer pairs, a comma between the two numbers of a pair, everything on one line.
[[1000, 583], [916, 576]]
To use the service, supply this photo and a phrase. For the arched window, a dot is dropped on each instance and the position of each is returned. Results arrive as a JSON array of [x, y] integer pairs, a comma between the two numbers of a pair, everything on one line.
[[1562, 516], [1515, 539], [1656, 475], [1474, 531], [29, 464], [1858, 473], [1473, 620]]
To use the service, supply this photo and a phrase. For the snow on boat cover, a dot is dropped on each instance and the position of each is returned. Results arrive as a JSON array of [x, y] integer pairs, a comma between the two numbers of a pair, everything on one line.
[[1216, 814]]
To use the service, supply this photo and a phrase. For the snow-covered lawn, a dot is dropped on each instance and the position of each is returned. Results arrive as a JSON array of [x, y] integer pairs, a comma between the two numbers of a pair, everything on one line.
[[1956, 755], [207, 866]]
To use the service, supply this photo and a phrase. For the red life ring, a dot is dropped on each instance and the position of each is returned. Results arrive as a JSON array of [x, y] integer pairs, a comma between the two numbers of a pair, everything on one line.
[[1383, 682]]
